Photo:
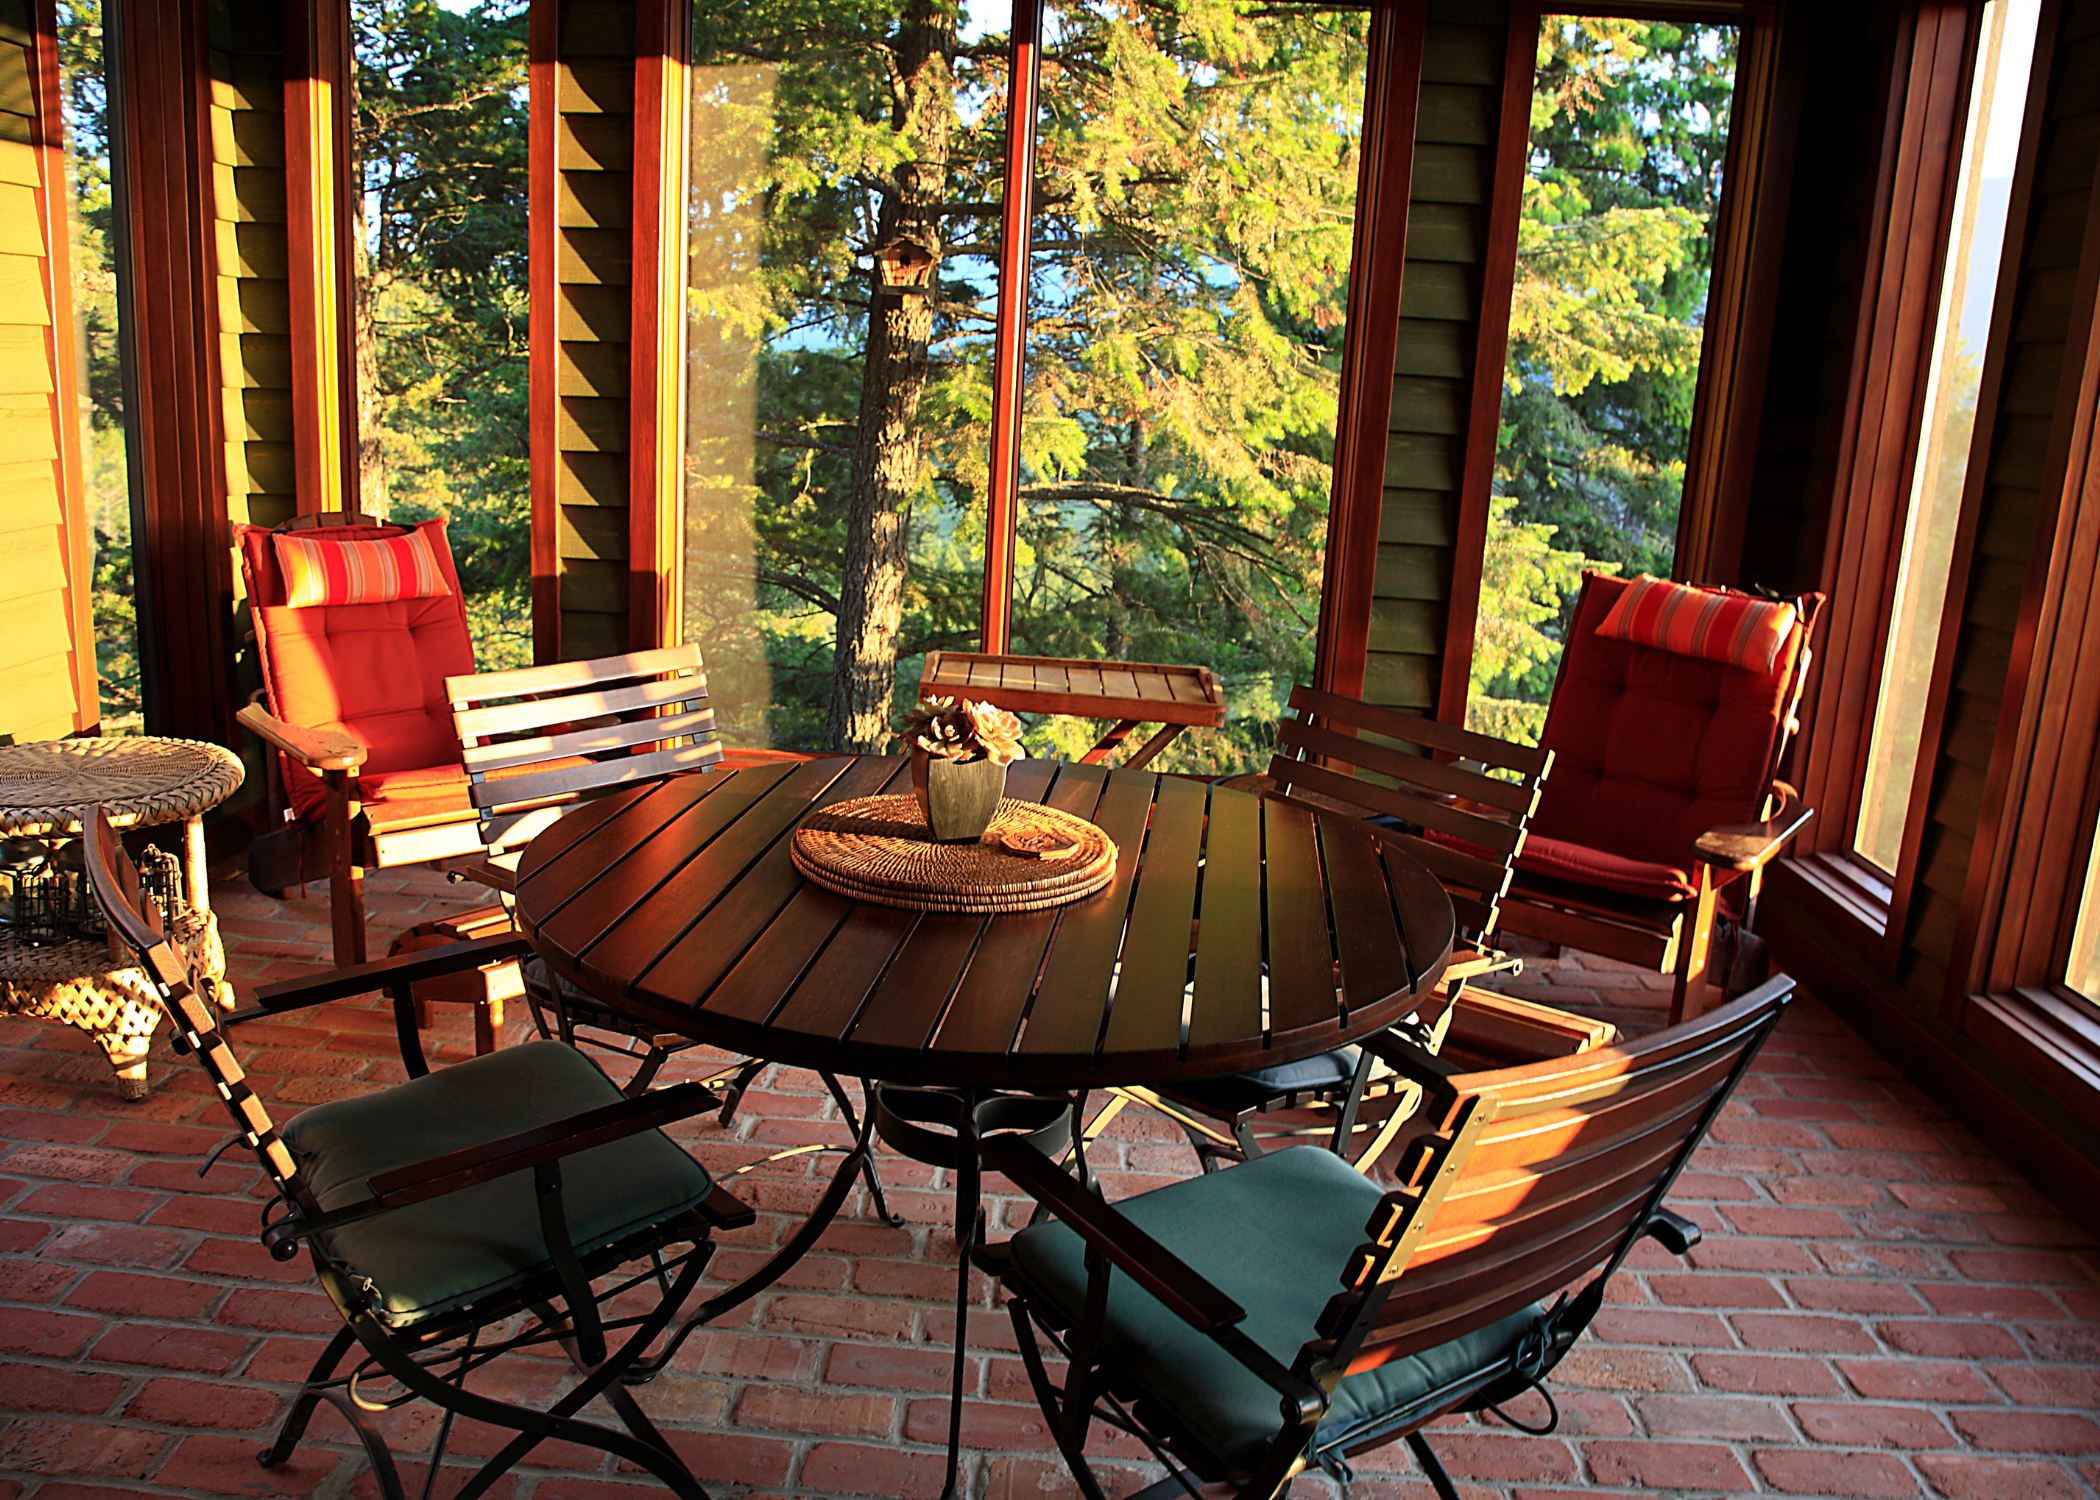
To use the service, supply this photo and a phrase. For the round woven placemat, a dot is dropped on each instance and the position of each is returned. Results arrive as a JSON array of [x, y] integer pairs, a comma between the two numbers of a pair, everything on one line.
[[876, 849], [139, 779]]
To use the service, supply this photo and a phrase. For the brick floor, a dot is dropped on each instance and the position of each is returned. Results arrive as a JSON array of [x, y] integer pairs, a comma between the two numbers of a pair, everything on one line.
[[1882, 1307]]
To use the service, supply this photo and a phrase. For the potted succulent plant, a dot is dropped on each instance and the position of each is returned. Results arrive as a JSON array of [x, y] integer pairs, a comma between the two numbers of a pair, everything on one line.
[[959, 755]]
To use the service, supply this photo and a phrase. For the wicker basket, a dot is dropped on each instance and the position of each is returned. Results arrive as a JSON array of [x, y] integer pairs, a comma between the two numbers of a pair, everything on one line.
[[879, 849]]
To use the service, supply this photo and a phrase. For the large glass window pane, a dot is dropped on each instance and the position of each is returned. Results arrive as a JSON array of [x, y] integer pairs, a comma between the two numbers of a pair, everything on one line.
[[1629, 134], [1982, 193], [1195, 203], [95, 316], [2083, 972], [442, 316], [844, 205]]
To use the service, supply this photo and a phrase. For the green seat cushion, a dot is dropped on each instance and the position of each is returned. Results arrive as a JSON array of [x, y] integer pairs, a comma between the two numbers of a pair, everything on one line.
[[426, 1259], [1273, 1234]]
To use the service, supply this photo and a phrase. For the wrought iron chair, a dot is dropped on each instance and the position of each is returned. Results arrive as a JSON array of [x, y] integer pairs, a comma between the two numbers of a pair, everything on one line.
[[1665, 805], [439, 1209], [353, 707], [1464, 817], [1205, 1319]]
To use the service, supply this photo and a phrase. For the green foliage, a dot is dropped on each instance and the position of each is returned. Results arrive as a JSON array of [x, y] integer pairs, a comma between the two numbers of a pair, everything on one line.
[[443, 319], [108, 496], [1629, 133]]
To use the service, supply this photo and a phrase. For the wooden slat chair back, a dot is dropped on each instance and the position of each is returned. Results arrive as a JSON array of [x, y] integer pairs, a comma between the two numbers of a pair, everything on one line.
[[1463, 822], [1454, 801], [418, 1205], [537, 740], [1518, 1195]]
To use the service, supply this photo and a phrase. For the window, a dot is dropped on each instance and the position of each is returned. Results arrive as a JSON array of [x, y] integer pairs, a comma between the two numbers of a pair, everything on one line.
[[1615, 258], [1982, 192], [2083, 972], [1195, 208], [441, 307], [1193, 213]]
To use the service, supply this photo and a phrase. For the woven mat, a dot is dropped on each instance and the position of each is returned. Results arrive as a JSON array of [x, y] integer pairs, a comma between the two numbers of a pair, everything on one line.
[[140, 779], [876, 849]]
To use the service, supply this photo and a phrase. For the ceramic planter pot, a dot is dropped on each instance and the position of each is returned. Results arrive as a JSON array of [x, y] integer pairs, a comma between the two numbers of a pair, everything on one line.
[[957, 797]]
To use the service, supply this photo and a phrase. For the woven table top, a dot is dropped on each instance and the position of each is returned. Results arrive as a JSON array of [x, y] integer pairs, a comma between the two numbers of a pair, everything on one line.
[[140, 779], [876, 849]]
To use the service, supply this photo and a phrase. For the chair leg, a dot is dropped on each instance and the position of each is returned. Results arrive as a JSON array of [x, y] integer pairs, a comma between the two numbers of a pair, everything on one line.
[[346, 882], [295, 1420], [1432, 1467], [1688, 997]]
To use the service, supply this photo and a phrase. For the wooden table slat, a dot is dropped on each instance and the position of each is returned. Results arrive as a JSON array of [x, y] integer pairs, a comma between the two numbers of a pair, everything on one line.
[[829, 996], [1146, 1016], [677, 947], [993, 996], [756, 984], [1152, 686], [1367, 935], [1187, 689], [572, 925], [1227, 1004], [1118, 682], [1072, 997], [1301, 964], [605, 842], [913, 997], [1426, 925]]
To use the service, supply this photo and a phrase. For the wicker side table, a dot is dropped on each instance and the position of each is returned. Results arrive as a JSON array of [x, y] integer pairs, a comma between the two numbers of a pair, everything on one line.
[[142, 782]]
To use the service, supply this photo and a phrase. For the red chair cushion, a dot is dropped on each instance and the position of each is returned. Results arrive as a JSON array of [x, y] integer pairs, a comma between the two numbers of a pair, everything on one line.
[[1651, 749], [376, 672]]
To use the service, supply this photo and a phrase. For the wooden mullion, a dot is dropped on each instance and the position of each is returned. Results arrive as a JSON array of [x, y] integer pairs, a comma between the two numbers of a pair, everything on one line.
[[543, 258], [1984, 873], [1370, 342], [183, 554], [2052, 700], [656, 378], [318, 200], [1490, 356]]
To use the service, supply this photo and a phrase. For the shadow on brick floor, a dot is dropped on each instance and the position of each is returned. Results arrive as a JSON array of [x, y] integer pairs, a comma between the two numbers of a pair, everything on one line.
[[1882, 1307]]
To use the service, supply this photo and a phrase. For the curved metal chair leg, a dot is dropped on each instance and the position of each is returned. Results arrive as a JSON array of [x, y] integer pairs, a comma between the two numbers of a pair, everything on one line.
[[294, 1425], [1432, 1467]]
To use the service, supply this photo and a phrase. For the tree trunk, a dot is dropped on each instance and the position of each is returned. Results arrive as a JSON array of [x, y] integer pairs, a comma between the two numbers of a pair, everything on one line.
[[893, 379]]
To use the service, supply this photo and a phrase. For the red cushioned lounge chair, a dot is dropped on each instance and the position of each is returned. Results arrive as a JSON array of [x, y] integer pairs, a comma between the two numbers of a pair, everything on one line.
[[1664, 805], [354, 704]]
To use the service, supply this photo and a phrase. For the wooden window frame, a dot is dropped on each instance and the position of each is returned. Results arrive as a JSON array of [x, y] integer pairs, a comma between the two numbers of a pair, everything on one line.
[[1925, 101]]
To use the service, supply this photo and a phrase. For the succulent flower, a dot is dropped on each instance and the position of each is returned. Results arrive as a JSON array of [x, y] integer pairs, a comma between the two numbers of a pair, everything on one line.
[[948, 729]]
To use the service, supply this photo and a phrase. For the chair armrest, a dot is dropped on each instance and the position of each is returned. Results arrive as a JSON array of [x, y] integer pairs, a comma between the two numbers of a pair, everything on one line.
[[1743, 847], [382, 974], [455, 1170], [317, 749], [1139, 1256]]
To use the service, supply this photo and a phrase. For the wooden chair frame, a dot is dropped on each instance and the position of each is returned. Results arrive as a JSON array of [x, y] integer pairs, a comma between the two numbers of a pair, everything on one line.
[[348, 843], [432, 1359], [1676, 937], [1452, 1249], [1409, 778]]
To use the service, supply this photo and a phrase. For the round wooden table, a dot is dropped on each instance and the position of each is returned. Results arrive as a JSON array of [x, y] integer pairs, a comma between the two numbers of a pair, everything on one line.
[[1237, 933]]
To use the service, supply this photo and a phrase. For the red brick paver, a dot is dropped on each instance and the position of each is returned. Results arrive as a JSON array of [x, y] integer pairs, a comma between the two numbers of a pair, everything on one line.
[[1881, 1306]]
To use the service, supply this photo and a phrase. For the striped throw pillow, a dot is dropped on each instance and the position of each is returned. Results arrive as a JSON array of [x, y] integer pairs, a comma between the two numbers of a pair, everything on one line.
[[322, 570], [1710, 623]]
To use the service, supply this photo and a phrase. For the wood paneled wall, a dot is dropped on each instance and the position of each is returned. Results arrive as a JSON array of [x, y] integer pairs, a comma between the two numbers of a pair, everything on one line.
[[47, 652], [1435, 378], [583, 72], [247, 207]]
